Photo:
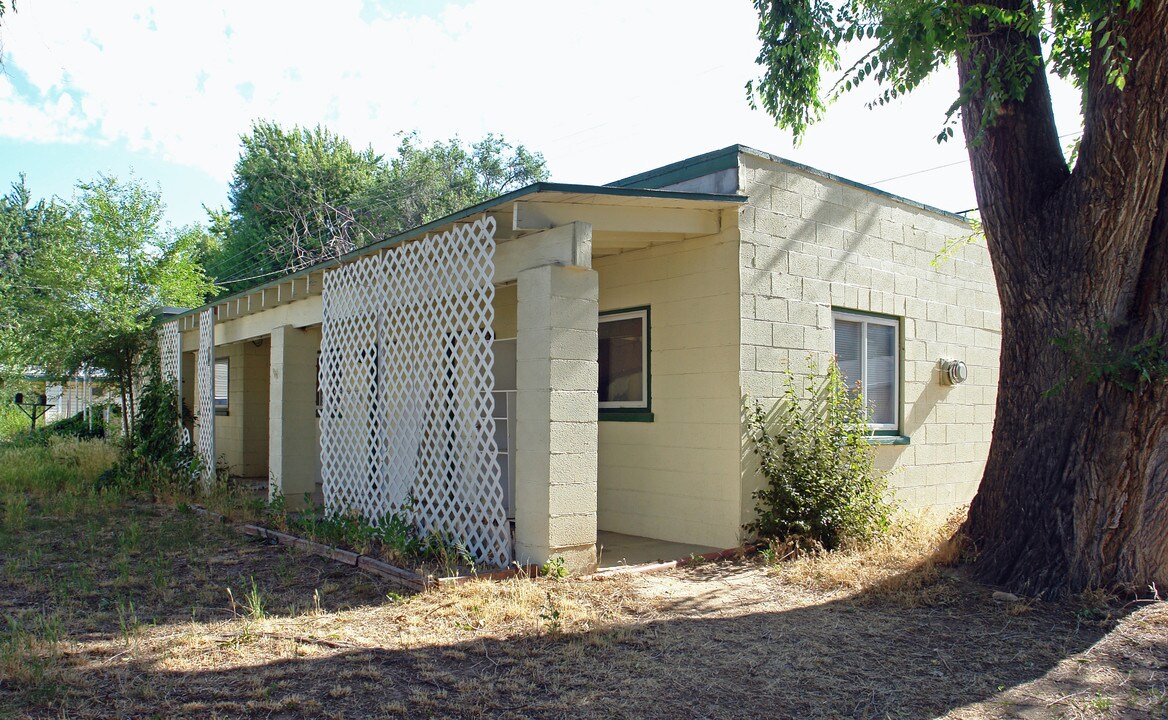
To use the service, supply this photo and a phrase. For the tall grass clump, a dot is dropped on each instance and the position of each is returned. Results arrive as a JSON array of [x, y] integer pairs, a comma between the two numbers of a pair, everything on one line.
[[905, 564], [30, 654], [822, 488], [64, 466], [12, 421]]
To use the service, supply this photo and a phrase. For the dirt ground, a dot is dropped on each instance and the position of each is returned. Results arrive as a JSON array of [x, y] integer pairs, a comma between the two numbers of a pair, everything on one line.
[[127, 614]]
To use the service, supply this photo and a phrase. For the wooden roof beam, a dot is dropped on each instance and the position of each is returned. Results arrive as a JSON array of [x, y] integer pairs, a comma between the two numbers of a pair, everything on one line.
[[691, 222]]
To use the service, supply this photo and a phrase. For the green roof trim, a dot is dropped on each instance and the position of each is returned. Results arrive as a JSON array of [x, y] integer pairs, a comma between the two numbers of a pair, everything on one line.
[[683, 170], [727, 157], [533, 189]]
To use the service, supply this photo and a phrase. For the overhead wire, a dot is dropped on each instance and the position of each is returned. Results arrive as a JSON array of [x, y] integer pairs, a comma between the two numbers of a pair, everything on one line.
[[964, 161], [390, 192]]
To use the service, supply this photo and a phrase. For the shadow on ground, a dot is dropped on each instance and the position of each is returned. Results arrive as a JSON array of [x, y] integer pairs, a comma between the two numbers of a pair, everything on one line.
[[708, 652]]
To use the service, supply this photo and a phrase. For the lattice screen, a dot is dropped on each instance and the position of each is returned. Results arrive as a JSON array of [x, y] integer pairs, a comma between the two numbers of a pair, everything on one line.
[[205, 412], [170, 362], [405, 374], [168, 352]]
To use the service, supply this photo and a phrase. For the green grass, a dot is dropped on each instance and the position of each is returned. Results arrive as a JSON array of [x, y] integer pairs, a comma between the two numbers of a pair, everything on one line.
[[12, 421], [65, 468]]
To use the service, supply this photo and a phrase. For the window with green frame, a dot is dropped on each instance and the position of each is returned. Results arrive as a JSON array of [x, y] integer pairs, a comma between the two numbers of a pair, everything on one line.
[[624, 391]]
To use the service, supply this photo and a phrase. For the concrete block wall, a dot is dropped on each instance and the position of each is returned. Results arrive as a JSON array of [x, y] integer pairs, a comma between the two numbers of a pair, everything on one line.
[[555, 480], [674, 478], [811, 243]]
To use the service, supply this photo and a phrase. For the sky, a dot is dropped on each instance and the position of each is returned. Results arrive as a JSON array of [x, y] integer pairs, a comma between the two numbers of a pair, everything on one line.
[[162, 91]]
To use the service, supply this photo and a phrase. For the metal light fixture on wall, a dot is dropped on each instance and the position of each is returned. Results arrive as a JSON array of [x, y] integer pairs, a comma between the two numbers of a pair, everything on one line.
[[953, 372]]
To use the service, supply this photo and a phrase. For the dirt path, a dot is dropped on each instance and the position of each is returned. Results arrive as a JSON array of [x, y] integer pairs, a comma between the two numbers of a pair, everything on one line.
[[817, 654]]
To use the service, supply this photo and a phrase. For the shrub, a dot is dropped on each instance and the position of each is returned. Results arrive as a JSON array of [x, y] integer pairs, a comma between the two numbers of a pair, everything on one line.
[[156, 457], [821, 484]]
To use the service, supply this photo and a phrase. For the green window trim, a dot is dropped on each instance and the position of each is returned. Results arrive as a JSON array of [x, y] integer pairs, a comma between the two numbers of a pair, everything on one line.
[[622, 415], [893, 439], [642, 412]]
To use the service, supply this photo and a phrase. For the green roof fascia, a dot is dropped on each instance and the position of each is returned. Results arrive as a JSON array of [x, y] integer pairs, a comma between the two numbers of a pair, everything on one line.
[[727, 158], [540, 187], [683, 170]]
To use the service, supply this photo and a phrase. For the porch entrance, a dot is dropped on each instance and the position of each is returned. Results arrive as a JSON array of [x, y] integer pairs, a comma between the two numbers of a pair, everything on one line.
[[504, 370]]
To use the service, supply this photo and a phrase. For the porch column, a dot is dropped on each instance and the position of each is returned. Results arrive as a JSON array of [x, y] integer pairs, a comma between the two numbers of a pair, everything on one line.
[[292, 415], [555, 478]]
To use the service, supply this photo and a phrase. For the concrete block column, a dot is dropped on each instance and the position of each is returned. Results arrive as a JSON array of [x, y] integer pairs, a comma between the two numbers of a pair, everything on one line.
[[292, 443], [556, 429]]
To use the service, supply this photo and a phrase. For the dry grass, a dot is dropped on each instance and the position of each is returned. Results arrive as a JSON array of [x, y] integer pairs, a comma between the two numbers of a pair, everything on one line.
[[907, 565], [112, 609]]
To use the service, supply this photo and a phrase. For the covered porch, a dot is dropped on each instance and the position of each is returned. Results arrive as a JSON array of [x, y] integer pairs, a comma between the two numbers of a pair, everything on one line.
[[464, 393]]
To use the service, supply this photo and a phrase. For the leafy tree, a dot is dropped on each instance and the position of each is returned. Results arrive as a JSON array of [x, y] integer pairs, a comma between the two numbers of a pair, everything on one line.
[[99, 269], [1075, 490], [300, 196], [24, 226], [426, 183], [290, 201]]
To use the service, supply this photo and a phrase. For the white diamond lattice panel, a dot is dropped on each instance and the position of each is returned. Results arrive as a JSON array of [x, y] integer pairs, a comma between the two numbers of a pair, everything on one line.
[[405, 375], [168, 351], [205, 414]]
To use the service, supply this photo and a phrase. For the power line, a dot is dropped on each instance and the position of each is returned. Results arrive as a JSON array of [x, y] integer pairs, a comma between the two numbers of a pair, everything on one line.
[[952, 164], [387, 193], [920, 172], [253, 277]]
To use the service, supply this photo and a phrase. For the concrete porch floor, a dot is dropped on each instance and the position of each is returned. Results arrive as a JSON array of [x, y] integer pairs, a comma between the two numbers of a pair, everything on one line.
[[616, 549]]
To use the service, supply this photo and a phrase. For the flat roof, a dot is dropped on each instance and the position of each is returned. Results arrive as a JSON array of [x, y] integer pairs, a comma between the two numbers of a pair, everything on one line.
[[547, 191]]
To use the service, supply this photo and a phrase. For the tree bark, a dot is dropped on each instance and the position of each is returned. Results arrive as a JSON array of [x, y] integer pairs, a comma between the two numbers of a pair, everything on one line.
[[1075, 490], [131, 413]]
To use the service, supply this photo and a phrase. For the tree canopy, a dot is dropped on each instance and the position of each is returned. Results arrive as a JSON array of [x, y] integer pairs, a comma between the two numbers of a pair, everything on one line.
[[302, 195], [1075, 490], [904, 42], [83, 292]]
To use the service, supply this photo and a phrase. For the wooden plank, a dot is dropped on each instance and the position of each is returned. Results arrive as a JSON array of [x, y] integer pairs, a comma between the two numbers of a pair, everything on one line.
[[567, 245], [396, 575]]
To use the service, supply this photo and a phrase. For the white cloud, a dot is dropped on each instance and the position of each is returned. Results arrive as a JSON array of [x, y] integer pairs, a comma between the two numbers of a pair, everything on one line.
[[603, 88]]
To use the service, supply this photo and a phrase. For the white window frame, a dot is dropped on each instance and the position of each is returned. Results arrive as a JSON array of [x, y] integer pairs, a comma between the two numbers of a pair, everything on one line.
[[643, 403], [865, 321]]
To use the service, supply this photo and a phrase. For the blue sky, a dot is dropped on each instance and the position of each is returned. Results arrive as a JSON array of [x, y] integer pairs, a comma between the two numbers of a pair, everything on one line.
[[603, 89]]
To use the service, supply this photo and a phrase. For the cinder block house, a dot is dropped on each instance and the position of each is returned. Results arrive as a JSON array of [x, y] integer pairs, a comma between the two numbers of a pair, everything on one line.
[[566, 362]]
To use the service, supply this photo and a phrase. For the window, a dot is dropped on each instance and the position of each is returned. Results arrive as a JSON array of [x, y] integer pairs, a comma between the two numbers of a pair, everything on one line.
[[867, 348], [623, 338], [221, 376]]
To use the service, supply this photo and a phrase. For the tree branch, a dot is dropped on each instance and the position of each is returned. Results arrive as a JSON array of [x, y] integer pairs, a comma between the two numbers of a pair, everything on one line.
[[1123, 161], [1017, 160]]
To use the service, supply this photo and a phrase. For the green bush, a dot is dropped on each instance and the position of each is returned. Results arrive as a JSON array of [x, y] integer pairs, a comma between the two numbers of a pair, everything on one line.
[[821, 484], [394, 537]]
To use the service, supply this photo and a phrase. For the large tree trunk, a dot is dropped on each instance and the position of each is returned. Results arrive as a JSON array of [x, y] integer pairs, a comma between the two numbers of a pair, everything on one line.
[[1075, 491]]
